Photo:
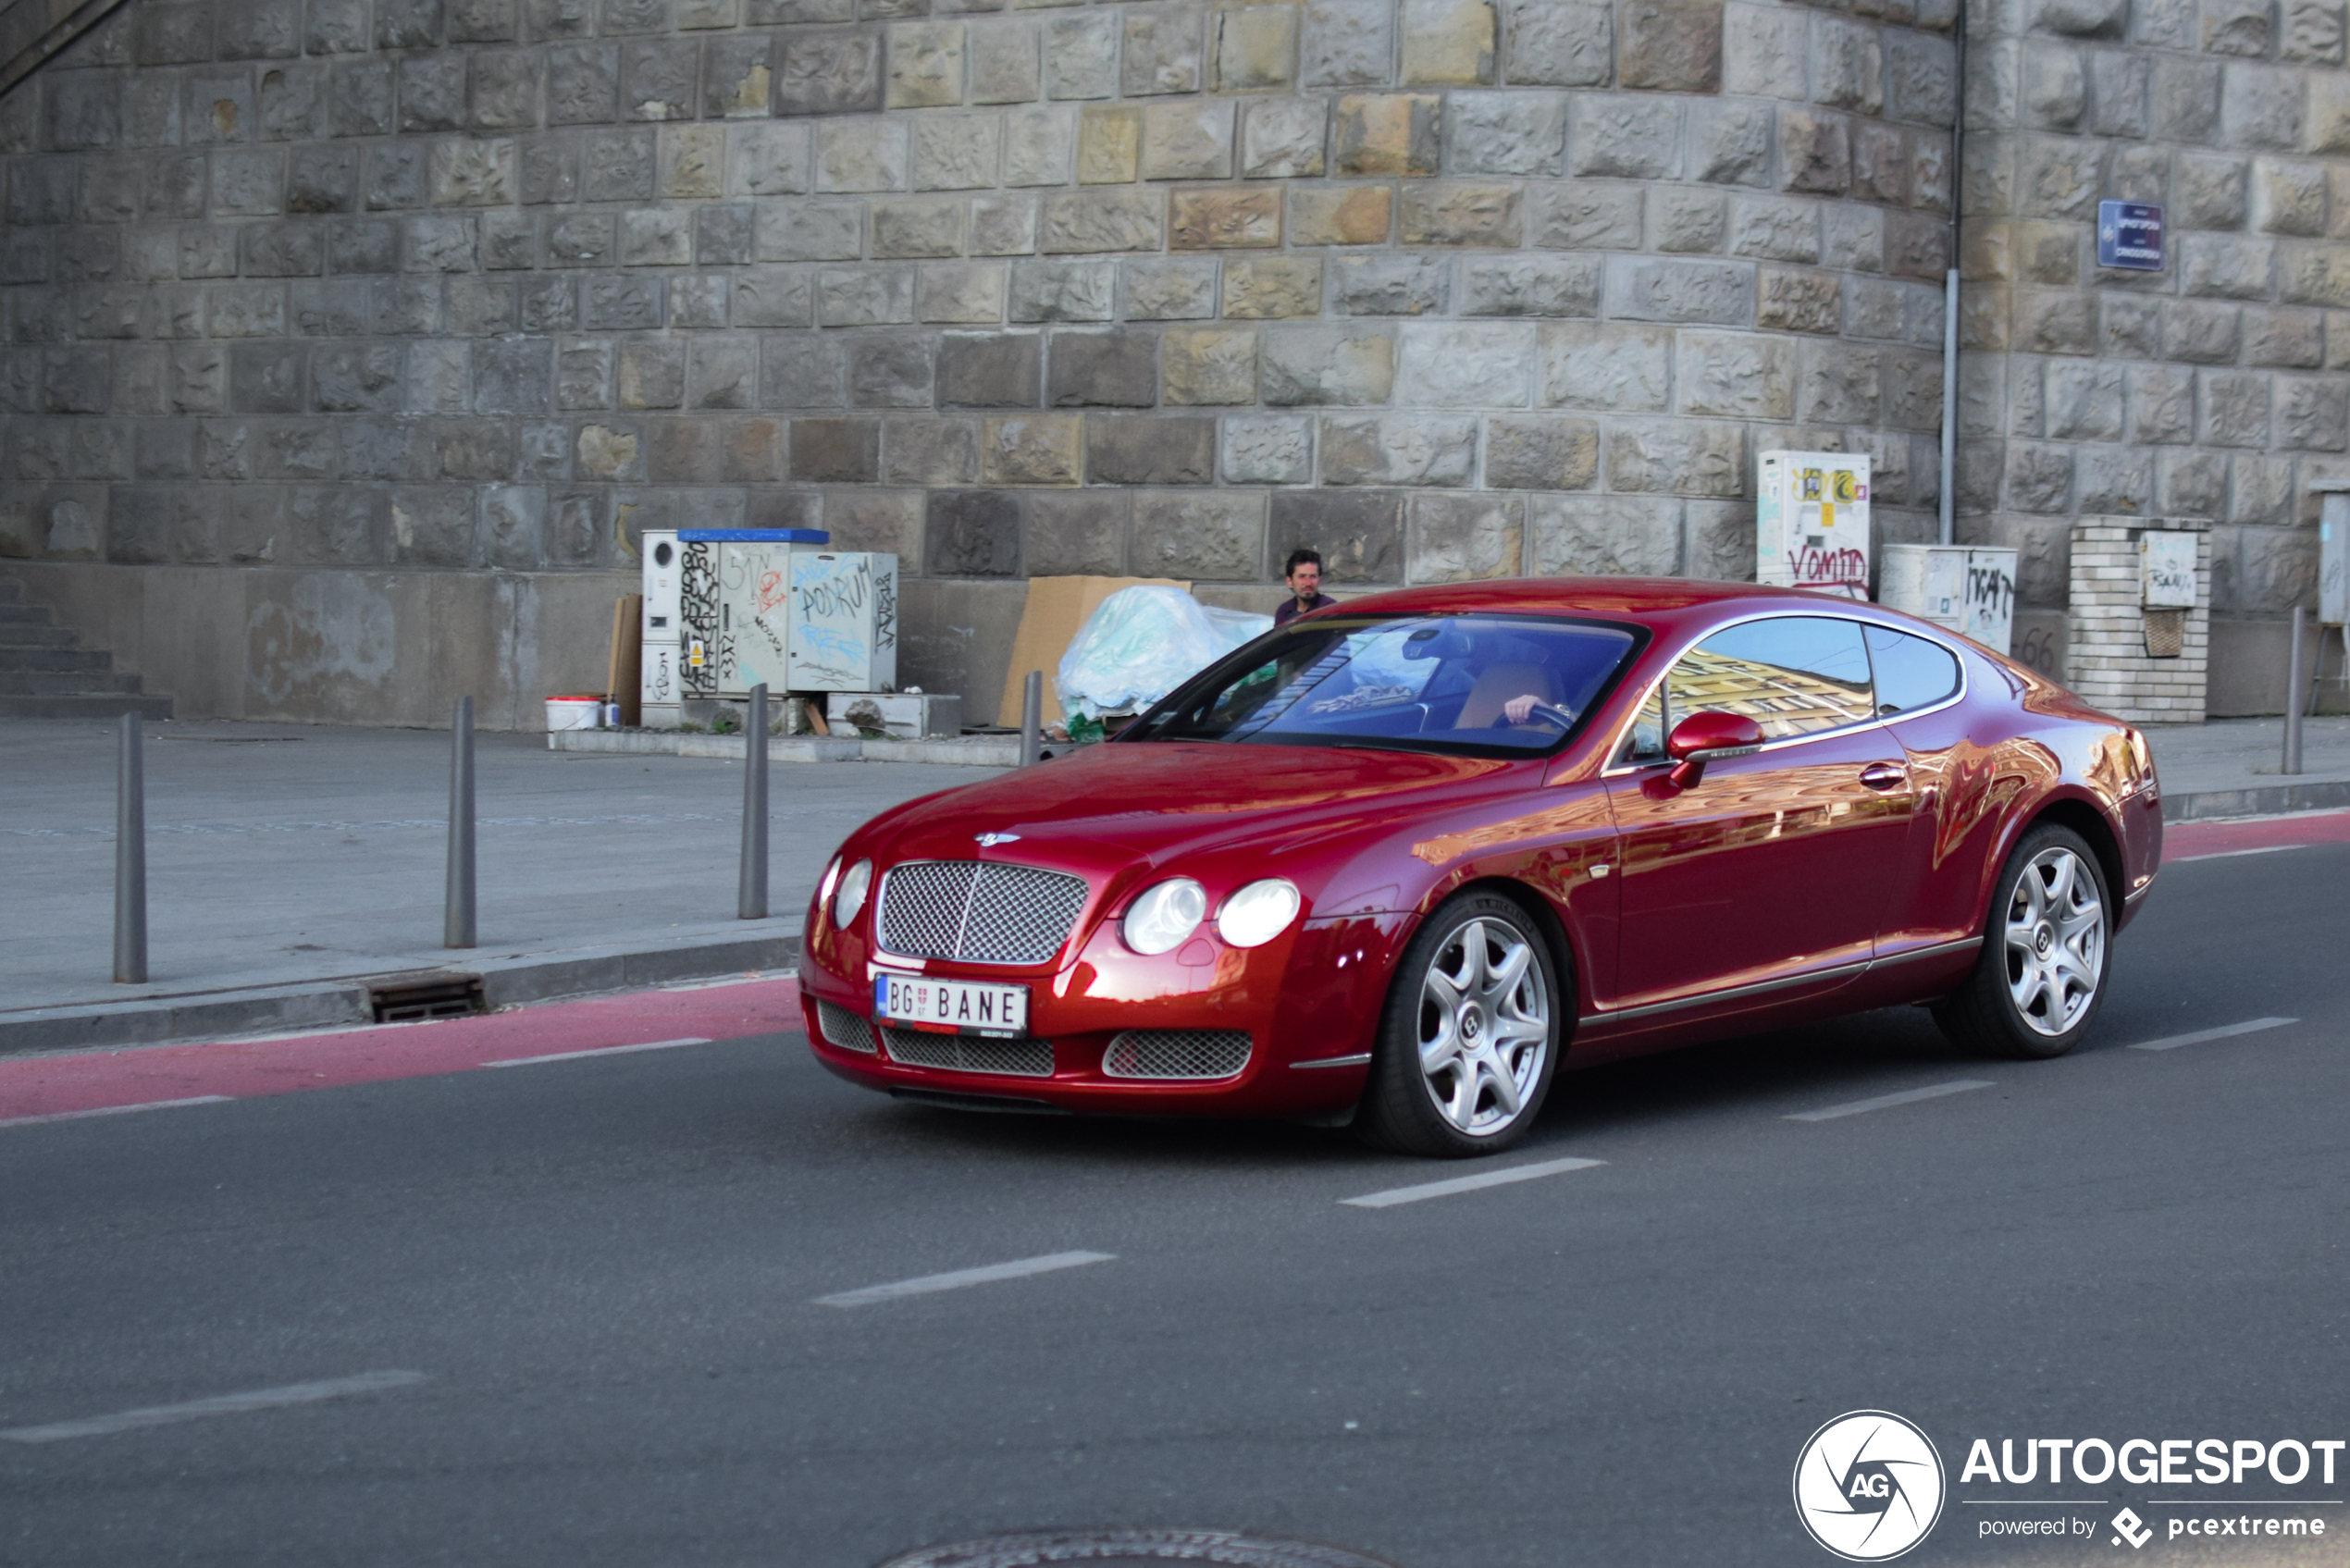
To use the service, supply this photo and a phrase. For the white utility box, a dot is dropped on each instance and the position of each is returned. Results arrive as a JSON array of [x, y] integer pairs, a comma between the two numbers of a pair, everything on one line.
[[900, 715], [659, 680], [1811, 522], [843, 626], [1968, 588], [2333, 551], [733, 592]]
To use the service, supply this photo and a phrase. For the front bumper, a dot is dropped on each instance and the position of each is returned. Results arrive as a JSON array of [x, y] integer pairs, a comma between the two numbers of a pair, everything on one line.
[[1309, 1002]]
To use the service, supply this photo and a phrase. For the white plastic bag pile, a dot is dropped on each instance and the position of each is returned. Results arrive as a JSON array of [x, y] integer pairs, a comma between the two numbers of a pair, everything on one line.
[[1141, 644]]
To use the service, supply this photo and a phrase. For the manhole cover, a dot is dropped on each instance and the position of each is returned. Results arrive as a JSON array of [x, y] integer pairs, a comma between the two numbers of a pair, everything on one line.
[[1132, 1548]]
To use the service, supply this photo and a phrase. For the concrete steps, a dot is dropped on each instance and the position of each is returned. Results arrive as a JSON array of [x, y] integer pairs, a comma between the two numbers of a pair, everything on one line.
[[44, 675]]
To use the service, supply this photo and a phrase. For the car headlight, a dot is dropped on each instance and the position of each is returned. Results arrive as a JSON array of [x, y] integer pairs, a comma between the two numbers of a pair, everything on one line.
[[832, 878], [1258, 912], [851, 897], [1164, 915]]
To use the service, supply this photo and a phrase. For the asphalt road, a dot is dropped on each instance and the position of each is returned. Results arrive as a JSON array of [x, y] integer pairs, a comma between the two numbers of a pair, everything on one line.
[[608, 1273]]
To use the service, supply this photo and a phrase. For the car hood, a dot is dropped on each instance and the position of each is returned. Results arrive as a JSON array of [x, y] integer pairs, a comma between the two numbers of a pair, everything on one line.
[[1107, 806]]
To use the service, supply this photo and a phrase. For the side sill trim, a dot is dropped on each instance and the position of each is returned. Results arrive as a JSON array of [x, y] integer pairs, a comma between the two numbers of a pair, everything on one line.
[[1358, 1059], [1963, 944], [1808, 977]]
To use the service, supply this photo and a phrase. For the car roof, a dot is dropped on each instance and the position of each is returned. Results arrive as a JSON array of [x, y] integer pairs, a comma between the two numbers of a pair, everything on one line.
[[1659, 601]]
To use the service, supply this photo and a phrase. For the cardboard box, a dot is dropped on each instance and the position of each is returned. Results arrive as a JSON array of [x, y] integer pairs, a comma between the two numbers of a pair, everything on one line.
[[1057, 610]]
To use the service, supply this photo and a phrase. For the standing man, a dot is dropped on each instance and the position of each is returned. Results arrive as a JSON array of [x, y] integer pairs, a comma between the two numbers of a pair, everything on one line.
[[1304, 574]]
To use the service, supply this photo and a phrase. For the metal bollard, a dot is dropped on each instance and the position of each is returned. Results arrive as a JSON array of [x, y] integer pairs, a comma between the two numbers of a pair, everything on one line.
[[457, 923], [2293, 699], [1031, 720], [750, 896], [130, 859]]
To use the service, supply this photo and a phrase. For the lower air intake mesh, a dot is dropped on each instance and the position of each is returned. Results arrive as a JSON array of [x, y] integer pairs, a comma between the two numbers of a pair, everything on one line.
[[845, 1028], [1176, 1053], [969, 1053]]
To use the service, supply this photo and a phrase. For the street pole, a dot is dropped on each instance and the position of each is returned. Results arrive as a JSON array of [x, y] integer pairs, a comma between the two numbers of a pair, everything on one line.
[[1031, 719], [457, 923], [750, 896], [130, 859], [2293, 698]]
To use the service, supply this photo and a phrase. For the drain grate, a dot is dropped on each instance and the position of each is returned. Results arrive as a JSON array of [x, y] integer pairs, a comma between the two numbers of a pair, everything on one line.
[[1133, 1549], [440, 994]]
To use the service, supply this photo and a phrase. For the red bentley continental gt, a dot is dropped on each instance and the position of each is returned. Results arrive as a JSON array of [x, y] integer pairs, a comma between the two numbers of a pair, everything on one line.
[[1395, 862]]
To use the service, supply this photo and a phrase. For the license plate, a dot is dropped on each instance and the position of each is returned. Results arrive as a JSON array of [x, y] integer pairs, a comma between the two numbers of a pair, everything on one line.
[[956, 1006]]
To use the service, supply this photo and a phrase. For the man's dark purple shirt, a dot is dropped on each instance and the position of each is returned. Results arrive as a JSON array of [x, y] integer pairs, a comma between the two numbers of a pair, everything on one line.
[[1289, 607]]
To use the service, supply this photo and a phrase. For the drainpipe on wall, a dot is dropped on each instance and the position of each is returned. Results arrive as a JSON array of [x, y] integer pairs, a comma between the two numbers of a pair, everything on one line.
[[1949, 497]]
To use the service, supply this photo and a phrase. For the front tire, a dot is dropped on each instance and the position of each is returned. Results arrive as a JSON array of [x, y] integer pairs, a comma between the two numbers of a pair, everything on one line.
[[1471, 1034], [2041, 976]]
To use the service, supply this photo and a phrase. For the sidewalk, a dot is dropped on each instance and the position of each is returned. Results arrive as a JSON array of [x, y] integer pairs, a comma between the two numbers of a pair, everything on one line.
[[287, 862]]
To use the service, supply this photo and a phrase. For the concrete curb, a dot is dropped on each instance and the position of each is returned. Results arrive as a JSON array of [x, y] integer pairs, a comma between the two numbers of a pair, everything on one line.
[[346, 1000], [2263, 800], [965, 751]]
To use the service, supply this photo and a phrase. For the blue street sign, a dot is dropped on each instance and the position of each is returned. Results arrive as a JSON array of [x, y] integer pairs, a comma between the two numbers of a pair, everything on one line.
[[2130, 235]]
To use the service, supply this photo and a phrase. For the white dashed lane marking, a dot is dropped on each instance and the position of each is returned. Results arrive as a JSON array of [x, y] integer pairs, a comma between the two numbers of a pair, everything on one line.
[[929, 1284], [1502, 1177], [599, 1051], [219, 1404], [2172, 1041], [1885, 1102], [118, 1110]]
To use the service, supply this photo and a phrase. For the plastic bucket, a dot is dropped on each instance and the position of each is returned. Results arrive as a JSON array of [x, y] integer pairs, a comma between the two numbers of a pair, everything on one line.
[[574, 713]]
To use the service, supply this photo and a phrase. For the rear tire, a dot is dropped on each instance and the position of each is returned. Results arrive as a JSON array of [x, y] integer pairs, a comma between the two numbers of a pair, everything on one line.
[[1471, 1035], [2047, 951]]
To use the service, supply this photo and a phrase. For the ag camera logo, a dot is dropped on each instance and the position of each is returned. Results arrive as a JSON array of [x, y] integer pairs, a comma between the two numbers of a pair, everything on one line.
[[1869, 1486]]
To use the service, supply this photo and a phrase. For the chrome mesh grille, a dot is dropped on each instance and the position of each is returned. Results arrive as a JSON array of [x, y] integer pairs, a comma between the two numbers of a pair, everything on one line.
[[977, 911], [1176, 1053], [968, 1053], [843, 1029]]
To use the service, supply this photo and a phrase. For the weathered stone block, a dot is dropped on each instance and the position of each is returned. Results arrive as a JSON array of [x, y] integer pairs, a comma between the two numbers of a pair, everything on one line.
[[1686, 222], [1003, 226], [1448, 43], [1465, 539], [2225, 267], [583, 380], [1004, 62], [1270, 287], [1739, 375], [2200, 334], [1162, 52], [1673, 45], [830, 71], [2210, 191], [1460, 212], [926, 226], [1268, 450], [802, 371], [1040, 146], [885, 373], [873, 297], [1081, 55], [1177, 289], [1163, 450], [1224, 219], [1346, 366], [2313, 414], [836, 450], [1799, 301], [1345, 215], [1064, 291], [2039, 478], [1460, 364], [860, 155], [955, 152], [971, 294], [1563, 286], [1103, 370], [1256, 48], [925, 64], [1628, 137], [2291, 339], [723, 236], [1774, 229], [650, 373], [2161, 405], [1683, 457], [1076, 533], [1187, 141], [804, 231], [617, 165], [1816, 152], [1282, 138], [972, 534], [1388, 133], [1360, 536], [1397, 450], [989, 370], [1625, 369], [2260, 107], [1086, 221], [1540, 452], [1507, 132], [1348, 42], [1031, 449], [1211, 536], [1555, 44], [655, 237], [929, 451], [1605, 535], [1586, 218], [1645, 290], [1390, 284]]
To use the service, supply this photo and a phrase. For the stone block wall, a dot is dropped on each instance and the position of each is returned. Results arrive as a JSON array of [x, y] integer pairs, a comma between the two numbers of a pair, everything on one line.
[[2212, 390], [1449, 287]]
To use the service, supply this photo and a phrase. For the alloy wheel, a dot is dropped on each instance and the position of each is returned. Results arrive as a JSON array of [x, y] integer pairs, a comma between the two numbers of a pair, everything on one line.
[[2055, 941], [1484, 1026]]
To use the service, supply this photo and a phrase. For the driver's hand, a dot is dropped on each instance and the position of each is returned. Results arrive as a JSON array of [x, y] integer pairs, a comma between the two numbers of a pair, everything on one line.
[[1517, 709]]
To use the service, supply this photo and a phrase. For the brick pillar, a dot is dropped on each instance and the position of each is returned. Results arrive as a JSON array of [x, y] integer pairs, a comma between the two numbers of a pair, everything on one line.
[[2108, 660]]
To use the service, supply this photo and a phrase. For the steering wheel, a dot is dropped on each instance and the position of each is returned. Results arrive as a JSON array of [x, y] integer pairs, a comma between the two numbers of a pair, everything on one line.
[[1550, 711]]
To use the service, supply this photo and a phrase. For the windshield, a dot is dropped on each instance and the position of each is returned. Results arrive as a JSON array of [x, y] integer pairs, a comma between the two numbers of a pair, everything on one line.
[[1479, 684]]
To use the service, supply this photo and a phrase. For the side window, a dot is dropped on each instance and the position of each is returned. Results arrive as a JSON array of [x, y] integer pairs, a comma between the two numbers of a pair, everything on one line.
[[1646, 743], [1910, 671], [1792, 674]]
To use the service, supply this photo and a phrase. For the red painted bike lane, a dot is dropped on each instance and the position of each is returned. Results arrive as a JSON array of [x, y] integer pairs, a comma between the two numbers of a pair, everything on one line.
[[35, 1089]]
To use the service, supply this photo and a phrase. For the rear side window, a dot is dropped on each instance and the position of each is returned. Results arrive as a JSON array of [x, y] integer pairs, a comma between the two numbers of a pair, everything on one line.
[[1792, 674], [1911, 673]]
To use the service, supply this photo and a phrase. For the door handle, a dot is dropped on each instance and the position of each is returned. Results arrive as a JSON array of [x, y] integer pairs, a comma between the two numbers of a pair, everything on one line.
[[1885, 775]]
